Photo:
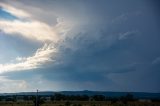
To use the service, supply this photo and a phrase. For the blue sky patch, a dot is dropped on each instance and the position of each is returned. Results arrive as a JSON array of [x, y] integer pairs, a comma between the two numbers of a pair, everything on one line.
[[6, 15]]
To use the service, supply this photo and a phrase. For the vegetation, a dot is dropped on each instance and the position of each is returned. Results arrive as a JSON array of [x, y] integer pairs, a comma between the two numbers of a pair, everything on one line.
[[76, 100]]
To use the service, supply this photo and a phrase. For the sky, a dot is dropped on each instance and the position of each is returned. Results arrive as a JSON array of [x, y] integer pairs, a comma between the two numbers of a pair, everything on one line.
[[64, 45]]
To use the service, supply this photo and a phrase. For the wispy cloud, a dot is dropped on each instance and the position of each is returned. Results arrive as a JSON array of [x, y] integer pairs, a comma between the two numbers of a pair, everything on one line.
[[42, 56], [29, 28], [156, 61], [14, 11], [32, 30], [123, 36]]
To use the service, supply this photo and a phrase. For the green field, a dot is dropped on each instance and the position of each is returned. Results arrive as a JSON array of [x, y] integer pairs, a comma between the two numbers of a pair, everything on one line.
[[81, 103]]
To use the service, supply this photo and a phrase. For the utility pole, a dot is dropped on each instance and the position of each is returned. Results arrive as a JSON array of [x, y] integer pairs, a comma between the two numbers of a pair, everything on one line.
[[37, 98]]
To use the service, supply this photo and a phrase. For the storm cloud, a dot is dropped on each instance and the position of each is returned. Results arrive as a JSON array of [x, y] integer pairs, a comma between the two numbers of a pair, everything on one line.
[[94, 45]]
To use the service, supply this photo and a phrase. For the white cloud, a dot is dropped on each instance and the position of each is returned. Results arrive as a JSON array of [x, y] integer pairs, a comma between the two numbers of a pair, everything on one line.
[[30, 27], [42, 56], [14, 11], [36, 31], [33, 30]]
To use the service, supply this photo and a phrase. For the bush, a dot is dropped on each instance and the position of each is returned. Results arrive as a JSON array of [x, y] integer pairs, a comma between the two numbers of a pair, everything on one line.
[[67, 103]]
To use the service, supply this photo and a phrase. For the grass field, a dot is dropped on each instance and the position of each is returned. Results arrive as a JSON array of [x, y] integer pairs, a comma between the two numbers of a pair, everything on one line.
[[81, 103]]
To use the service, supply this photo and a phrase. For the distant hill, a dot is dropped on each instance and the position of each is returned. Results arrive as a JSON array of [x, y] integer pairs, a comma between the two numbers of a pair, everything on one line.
[[143, 95], [113, 94]]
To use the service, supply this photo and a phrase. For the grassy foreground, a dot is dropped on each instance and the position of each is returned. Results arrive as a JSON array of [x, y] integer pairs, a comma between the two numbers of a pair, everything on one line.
[[81, 103]]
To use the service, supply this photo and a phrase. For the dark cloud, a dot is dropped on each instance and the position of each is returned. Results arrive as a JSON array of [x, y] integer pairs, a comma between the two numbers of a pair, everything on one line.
[[113, 50]]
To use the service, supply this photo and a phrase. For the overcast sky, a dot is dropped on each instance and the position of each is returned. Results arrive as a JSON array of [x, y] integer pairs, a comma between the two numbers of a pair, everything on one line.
[[55, 45]]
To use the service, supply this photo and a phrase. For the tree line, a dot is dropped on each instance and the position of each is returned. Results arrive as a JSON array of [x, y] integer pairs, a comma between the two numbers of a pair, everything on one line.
[[62, 97]]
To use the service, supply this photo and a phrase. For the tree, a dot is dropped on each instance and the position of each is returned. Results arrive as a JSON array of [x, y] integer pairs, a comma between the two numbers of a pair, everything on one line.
[[128, 97], [59, 97], [1, 98], [67, 103], [98, 97]]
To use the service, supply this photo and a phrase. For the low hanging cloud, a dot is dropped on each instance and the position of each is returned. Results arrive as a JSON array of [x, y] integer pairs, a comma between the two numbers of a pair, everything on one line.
[[33, 30], [7, 84]]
